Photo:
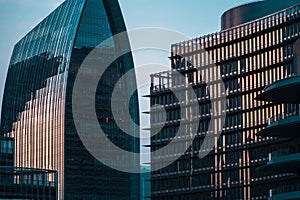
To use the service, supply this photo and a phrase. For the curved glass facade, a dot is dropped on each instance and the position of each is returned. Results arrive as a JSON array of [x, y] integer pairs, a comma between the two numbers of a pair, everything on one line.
[[37, 103]]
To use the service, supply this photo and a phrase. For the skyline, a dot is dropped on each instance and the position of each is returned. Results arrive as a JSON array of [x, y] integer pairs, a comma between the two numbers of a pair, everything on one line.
[[160, 14], [155, 14], [203, 95]]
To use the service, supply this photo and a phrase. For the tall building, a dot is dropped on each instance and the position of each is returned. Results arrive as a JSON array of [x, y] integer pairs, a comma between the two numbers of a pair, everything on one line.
[[284, 159], [253, 50], [37, 103]]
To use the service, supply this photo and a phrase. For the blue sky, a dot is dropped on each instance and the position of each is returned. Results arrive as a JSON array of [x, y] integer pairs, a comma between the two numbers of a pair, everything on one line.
[[190, 17]]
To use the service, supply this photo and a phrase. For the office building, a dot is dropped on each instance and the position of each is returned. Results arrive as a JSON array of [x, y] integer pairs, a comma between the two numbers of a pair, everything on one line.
[[284, 159], [37, 103], [254, 49]]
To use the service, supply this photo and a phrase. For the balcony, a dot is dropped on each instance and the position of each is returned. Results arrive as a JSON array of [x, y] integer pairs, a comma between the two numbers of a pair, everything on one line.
[[282, 126], [285, 192], [282, 91], [283, 161]]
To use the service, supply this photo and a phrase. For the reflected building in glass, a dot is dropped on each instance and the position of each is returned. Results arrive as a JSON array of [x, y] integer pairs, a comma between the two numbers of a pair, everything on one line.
[[37, 102], [254, 49]]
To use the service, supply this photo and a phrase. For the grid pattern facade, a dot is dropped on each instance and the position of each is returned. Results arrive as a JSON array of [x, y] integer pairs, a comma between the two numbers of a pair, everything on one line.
[[246, 58], [37, 104], [23, 183], [284, 125]]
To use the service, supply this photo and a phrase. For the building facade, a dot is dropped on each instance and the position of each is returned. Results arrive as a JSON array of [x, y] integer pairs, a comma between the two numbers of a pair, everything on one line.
[[37, 103], [254, 49], [145, 182], [284, 159], [23, 183], [6, 151]]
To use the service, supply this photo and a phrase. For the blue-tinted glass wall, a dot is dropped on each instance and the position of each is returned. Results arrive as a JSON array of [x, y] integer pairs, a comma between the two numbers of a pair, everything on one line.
[[34, 97], [6, 152], [145, 182], [77, 160], [37, 108]]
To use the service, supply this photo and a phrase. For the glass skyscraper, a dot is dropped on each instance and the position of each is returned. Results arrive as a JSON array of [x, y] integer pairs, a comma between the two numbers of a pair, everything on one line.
[[253, 50], [37, 102]]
